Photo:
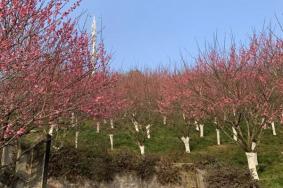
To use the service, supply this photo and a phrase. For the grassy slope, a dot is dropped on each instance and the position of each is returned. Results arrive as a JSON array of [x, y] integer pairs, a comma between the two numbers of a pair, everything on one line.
[[164, 142]]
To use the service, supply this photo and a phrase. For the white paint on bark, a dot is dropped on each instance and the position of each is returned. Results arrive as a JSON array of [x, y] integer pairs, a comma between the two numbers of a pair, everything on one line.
[[253, 149], [273, 129], [148, 131], [235, 134], [201, 129], [111, 123], [77, 139], [252, 163], [111, 141], [51, 130], [186, 141], [218, 136], [136, 124], [184, 116], [164, 120], [98, 127], [197, 126], [104, 121], [141, 146]]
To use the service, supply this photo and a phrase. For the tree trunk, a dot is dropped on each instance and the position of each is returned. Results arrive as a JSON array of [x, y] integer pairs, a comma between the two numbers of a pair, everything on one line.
[[77, 139], [164, 120], [148, 131], [51, 130], [186, 141], [197, 126], [111, 123], [218, 136], [273, 129], [111, 141], [97, 127], [235, 134], [252, 163], [136, 126], [201, 130], [141, 146]]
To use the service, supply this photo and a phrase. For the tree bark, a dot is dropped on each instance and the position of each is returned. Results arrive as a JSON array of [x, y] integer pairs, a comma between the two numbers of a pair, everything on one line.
[[141, 146], [201, 130], [148, 131], [235, 134], [186, 141], [218, 136], [273, 129], [252, 163], [111, 141], [97, 127]]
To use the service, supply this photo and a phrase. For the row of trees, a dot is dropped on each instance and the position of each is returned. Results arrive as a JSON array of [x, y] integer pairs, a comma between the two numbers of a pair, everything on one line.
[[237, 90]]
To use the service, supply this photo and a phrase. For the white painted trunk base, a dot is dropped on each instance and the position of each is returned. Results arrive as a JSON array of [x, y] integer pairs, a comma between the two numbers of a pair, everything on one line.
[[235, 134], [111, 123], [184, 116], [51, 130], [77, 139], [97, 127], [141, 149], [196, 126], [148, 131], [111, 141], [186, 141], [201, 130], [218, 136], [273, 129], [252, 163], [136, 126], [164, 120]]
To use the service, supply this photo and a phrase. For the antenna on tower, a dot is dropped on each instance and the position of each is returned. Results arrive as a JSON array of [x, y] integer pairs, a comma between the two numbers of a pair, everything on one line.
[[101, 29], [93, 40]]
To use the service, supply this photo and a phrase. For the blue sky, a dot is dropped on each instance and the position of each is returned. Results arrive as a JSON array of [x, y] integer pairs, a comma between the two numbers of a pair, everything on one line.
[[153, 33]]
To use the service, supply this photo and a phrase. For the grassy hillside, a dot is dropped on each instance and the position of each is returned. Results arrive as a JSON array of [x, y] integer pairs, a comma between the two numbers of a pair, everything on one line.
[[165, 142]]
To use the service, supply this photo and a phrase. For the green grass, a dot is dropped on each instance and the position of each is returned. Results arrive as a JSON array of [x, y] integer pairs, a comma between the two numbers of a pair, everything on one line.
[[165, 142]]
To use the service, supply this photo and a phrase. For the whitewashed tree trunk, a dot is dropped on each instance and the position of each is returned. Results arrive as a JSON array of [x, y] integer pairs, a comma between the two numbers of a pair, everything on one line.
[[218, 136], [201, 130], [136, 124], [251, 158], [164, 120], [141, 146], [111, 123], [197, 126], [186, 141], [111, 141], [273, 129], [73, 119], [235, 134], [77, 133], [77, 139], [51, 130], [253, 149], [184, 116], [148, 131], [104, 121], [97, 127]]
